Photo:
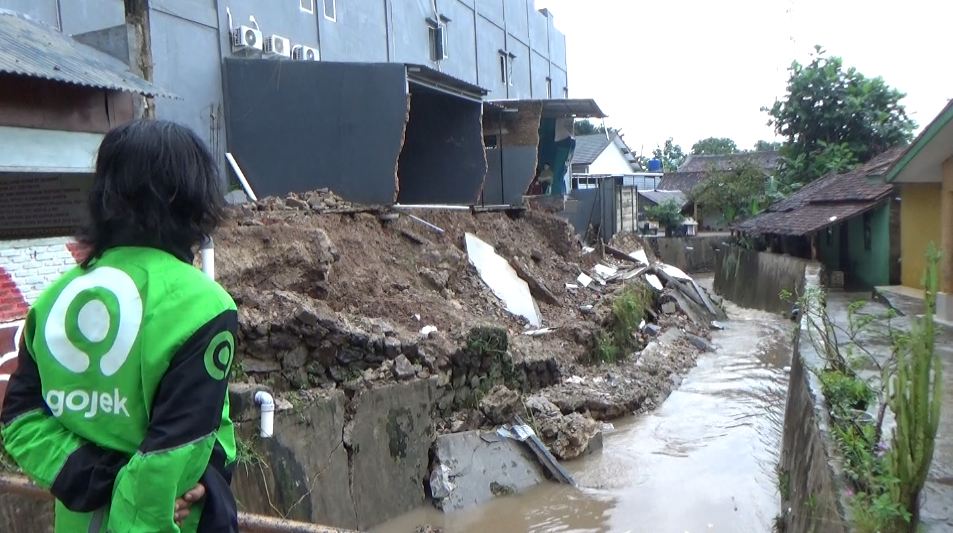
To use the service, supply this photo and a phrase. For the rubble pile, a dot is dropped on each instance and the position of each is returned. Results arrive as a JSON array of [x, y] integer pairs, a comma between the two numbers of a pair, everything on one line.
[[507, 310]]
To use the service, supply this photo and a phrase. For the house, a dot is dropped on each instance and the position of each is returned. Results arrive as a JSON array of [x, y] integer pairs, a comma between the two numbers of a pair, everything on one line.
[[58, 97], [298, 90], [650, 198], [850, 222], [603, 153], [924, 173], [697, 168]]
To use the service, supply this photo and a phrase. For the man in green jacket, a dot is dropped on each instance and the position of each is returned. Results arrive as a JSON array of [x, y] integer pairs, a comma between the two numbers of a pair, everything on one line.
[[119, 404]]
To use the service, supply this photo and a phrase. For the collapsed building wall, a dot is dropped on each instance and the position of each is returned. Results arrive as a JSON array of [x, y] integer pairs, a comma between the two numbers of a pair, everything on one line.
[[303, 125], [442, 160], [511, 161]]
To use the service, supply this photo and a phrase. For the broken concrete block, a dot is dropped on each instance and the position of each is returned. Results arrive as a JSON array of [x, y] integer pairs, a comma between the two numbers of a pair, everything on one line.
[[480, 462], [699, 342], [402, 368], [501, 405], [669, 308], [575, 434]]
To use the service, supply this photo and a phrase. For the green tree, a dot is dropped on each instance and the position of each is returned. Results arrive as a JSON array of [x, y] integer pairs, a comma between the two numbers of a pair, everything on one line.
[[671, 155], [715, 146], [733, 194], [767, 146], [668, 214], [833, 119], [586, 127]]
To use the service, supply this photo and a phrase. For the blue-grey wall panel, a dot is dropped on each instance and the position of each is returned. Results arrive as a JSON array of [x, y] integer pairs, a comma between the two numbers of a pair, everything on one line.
[[557, 47], [540, 68], [491, 40], [442, 160], [520, 87], [538, 29], [41, 10], [462, 36], [91, 15], [588, 210], [517, 25], [187, 63], [298, 126], [518, 166], [358, 33], [492, 10], [411, 38], [559, 80]]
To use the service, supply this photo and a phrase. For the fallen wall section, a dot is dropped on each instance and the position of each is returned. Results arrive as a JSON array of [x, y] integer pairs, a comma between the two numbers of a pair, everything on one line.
[[756, 279], [691, 254]]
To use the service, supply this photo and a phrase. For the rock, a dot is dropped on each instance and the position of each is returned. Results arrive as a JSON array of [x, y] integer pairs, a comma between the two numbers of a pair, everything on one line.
[[546, 416], [501, 404], [437, 280], [426, 528], [653, 329], [699, 342], [402, 368], [391, 347], [256, 366], [575, 434], [295, 203], [669, 308]]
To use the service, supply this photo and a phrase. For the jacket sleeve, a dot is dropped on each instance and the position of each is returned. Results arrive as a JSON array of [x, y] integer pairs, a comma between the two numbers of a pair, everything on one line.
[[77, 472], [186, 414]]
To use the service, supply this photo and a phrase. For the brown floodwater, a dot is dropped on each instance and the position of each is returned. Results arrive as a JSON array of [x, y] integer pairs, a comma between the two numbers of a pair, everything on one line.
[[703, 462]]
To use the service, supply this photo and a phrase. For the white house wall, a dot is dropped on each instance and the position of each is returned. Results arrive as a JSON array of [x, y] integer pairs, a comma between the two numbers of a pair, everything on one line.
[[611, 161]]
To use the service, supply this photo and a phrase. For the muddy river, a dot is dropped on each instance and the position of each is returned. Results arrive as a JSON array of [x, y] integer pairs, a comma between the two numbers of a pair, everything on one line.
[[703, 462]]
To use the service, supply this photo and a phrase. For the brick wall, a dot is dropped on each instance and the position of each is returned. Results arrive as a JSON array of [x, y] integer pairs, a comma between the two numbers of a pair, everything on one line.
[[27, 267]]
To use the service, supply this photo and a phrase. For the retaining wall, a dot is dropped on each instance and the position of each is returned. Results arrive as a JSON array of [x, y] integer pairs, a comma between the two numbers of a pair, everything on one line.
[[691, 254], [755, 279], [810, 487]]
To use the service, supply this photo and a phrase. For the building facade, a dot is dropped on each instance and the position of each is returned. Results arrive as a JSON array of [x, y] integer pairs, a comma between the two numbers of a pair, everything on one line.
[[505, 46]]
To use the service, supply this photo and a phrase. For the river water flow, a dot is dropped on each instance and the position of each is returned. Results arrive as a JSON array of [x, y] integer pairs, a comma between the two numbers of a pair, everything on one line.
[[703, 462]]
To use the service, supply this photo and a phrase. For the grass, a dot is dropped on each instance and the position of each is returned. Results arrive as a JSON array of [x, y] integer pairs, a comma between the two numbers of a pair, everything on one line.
[[616, 342]]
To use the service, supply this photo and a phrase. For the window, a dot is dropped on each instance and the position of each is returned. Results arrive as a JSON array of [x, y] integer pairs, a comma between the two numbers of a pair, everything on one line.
[[307, 6], [565, 93], [439, 42], [330, 10], [506, 67], [549, 87]]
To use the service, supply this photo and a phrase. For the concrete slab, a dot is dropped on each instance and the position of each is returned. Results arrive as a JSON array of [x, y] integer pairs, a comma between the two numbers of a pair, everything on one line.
[[482, 466]]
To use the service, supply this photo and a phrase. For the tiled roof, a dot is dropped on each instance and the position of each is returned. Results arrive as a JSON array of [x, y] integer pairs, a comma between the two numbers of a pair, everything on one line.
[[827, 201], [768, 161], [590, 147], [661, 196], [29, 48], [681, 181]]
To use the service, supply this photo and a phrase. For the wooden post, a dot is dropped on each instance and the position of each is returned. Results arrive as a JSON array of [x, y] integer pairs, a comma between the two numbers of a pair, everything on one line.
[[137, 19], [814, 246]]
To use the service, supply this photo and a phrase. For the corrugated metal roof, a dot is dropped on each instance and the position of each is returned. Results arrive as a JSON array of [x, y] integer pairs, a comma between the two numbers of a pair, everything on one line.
[[427, 76], [589, 148], [576, 107], [29, 48], [659, 197]]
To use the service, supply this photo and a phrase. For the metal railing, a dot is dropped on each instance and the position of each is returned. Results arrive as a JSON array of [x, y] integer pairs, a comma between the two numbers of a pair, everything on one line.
[[247, 523]]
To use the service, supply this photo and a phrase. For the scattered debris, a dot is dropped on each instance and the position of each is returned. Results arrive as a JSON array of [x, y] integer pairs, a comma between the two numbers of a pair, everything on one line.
[[500, 277]]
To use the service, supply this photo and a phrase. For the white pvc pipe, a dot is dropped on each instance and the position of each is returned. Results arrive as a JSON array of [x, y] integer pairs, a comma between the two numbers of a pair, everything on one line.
[[208, 257], [266, 402], [241, 176]]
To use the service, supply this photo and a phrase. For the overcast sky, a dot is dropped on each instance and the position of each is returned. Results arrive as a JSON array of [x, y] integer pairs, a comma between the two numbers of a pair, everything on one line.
[[691, 69]]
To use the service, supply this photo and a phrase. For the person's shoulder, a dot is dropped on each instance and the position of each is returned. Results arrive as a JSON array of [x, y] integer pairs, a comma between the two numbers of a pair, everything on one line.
[[186, 281]]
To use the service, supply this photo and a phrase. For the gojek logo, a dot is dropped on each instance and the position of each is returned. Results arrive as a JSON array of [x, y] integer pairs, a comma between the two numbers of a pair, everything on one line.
[[97, 316]]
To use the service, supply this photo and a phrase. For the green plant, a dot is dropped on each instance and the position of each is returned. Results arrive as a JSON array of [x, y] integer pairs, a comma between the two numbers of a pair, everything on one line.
[[619, 339], [668, 214], [916, 402]]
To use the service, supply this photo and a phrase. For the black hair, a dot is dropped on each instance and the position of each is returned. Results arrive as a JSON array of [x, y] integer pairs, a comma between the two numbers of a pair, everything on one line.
[[156, 185]]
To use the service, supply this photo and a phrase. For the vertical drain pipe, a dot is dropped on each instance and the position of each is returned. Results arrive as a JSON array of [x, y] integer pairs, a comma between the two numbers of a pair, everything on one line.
[[266, 402], [208, 257]]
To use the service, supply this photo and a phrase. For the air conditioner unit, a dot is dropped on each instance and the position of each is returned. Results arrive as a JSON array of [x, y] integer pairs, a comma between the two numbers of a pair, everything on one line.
[[246, 38], [277, 46], [305, 53]]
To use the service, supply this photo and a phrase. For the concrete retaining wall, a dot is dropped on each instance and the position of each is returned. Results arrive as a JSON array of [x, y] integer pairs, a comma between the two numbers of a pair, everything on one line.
[[755, 279], [691, 254], [810, 487]]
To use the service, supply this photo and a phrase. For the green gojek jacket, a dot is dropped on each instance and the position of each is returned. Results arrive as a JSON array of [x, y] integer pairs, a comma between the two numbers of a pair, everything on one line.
[[119, 404]]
